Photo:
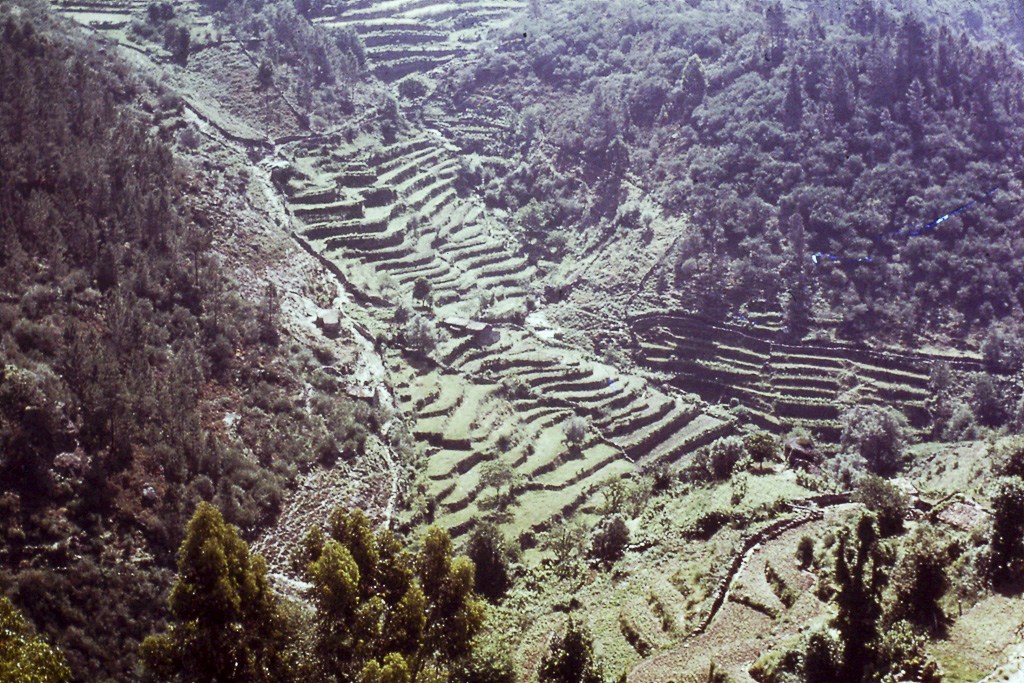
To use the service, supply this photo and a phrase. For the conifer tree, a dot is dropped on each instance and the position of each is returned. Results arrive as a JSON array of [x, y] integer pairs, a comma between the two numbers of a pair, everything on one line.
[[858, 581], [226, 624], [793, 106]]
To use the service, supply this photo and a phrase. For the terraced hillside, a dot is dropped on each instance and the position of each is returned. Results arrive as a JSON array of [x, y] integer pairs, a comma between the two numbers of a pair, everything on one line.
[[395, 211], [512, 401], [393, 214], [784, 385], [409, 36], [102, 14]]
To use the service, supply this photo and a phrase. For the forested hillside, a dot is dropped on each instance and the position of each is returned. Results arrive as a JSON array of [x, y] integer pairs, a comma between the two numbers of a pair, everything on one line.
[[783, 136], [127, 351]]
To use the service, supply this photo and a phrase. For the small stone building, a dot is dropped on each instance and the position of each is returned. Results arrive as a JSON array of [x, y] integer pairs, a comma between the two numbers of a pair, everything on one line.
[[330, 322], [483, 334], [800, 453]]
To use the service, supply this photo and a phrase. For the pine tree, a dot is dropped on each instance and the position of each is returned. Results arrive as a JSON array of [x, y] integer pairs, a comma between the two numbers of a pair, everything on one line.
[[793, 106], [694, 83], [226, 624]]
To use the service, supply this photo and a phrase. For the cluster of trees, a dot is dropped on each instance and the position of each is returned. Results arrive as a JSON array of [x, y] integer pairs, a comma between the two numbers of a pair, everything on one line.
[[729, 454], [118, 329], [381, 614], [781, 135], [885, 597], [314, 66], [24, 656]]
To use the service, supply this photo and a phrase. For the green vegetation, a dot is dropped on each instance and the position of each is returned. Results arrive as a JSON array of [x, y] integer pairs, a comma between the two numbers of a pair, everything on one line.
[[24, 656], [719, 111], [123, 344], [226, 624], [631, 202], [380, 614], [490, 554], [570, 658]]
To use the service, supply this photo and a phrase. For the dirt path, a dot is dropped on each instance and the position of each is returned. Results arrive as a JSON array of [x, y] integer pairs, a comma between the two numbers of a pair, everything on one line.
[[743, 623]]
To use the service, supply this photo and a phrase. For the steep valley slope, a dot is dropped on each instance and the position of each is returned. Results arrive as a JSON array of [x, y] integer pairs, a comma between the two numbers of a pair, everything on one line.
[[567, 350]]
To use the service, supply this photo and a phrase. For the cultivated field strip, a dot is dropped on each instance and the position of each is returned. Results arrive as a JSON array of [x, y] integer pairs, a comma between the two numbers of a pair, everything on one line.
[[101, 14], [784, 385], [396, 210], [403, 37], [511, 400]]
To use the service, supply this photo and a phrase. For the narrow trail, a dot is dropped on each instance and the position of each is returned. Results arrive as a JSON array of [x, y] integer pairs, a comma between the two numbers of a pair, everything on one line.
[[707, 638]]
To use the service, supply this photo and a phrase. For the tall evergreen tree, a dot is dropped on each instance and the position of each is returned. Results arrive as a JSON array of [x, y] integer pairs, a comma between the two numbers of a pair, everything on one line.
[[226, 624], [859, 580], [793, 106]]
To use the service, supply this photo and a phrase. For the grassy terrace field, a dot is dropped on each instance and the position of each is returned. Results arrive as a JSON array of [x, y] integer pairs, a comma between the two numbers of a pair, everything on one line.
[[409, 36], [783, 385]]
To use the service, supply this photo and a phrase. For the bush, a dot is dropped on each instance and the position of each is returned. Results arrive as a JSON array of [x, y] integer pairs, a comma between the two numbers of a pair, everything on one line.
[[1002, 350], [884, 499], [877, 434], [610, 540], [489, 552], [412, 88], [918, 581], [421, 289], [805, 552], [987, 401], [1007, 531], [570, 658], [722, 456], [575, 430]]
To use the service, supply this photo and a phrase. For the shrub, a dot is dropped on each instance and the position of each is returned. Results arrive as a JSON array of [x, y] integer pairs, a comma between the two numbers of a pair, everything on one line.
[[1003, 350], [575, 430], [722, 457], [877, 434], [489, 552], [412, 88], [917, 582], [1007, 532], [885, 500], [610, 540], [987, 401], [421, 289], [570, 658], [805, 552]]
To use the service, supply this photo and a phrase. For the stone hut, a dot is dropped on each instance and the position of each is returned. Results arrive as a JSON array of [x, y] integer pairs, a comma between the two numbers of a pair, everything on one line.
[[801, 453], [483, 334], [330, 322]]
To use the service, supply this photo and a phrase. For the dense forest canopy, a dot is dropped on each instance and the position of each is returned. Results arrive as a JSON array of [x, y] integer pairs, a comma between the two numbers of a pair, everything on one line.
[[781, 134]]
